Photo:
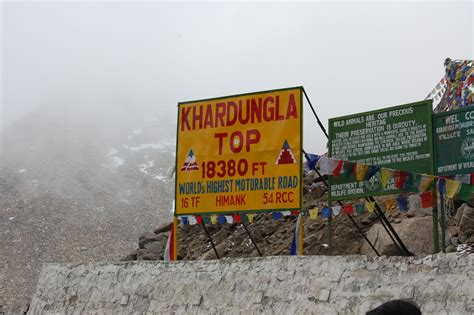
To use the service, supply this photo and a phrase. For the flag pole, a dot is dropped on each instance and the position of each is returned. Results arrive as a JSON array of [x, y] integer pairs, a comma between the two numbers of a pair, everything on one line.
[[175, 239]]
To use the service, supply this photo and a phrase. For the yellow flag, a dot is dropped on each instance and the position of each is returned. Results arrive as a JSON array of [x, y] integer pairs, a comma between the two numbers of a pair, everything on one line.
[[389, 204], [425, 183], [370, 206], [385, 175], [250, 217], [361, 170], [213, 219], [313, 213], [452, 187]]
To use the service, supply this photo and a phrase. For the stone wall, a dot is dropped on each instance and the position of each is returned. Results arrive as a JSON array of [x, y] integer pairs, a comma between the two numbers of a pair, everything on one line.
[[440, 284]]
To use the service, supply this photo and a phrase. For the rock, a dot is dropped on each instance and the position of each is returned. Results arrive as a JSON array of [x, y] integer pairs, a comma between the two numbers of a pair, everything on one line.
[[466, 223], [454, 241], [210, 254], [164, 228], [154, 251], [306, 189], [410, 214], [416, 233], [309, 177], [132, 256], [150, 238], [450, 249]]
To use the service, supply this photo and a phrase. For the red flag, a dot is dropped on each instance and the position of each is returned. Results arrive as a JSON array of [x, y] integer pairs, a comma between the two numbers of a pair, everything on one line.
[[426, 199], [199, 219], [236, 218], [348, 209], [295, 212], [400, 177], [338, 168]]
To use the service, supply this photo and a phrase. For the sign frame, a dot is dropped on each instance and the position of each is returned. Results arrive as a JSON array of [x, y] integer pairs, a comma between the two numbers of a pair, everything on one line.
[[394, 165], [437, 151], [300, 178]]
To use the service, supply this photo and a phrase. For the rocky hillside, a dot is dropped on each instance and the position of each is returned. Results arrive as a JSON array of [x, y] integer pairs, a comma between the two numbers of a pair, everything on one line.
[[78, 186], [273, 237]]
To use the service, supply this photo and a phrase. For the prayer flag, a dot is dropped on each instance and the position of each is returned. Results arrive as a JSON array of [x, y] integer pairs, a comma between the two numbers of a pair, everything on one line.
[[400, 178], [244, 218], [229, 219], [370, 206], [286, 213], [452, 187], [385, 175], [326, 165], [348, 208], [326, 212], [184, 219], [426, 199], [425, 182], [361, 170], [221, 219], [192, 220], [236, 218], [402, 203], [311, 160], [359, 208], [295, 212], [199, 219], [348, 168], [464, 192], [250, 217], [213, 219], [336, 210], [296, 245], [338, 168], [313, 213], [277, 215], [206, 220], [414, 201], [389, 204]]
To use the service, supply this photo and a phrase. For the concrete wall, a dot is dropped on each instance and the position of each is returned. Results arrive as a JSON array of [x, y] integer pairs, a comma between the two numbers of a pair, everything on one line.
[[441, 284]]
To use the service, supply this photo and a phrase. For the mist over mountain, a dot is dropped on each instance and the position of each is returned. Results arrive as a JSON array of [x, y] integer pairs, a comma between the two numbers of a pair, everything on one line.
[[80, 183]]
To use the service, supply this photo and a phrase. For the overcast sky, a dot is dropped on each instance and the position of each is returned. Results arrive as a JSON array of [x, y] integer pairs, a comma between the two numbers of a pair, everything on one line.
[[350, 57]]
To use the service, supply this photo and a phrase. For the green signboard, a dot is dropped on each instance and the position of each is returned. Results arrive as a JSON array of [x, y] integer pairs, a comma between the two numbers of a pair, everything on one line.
[[395, 137], [454, 142]]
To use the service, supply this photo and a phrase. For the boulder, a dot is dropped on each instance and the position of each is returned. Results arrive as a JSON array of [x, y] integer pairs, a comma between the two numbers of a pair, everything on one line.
[[164, 228], [416, 233], [466, 223], [150, 238]]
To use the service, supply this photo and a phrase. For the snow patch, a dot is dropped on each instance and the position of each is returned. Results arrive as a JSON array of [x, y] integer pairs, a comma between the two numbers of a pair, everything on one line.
[[160, 177], [143, 167], [22, 170], [115, 160]]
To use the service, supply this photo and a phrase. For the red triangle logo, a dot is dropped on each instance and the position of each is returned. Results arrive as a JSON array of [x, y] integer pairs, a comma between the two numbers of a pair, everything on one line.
[[286, 156]]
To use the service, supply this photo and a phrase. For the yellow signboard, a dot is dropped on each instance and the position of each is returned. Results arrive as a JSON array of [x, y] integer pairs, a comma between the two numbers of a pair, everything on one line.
[[240, 153]]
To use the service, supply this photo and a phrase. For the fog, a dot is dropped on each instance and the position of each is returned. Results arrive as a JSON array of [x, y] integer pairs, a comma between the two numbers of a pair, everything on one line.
[[145, 57]]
